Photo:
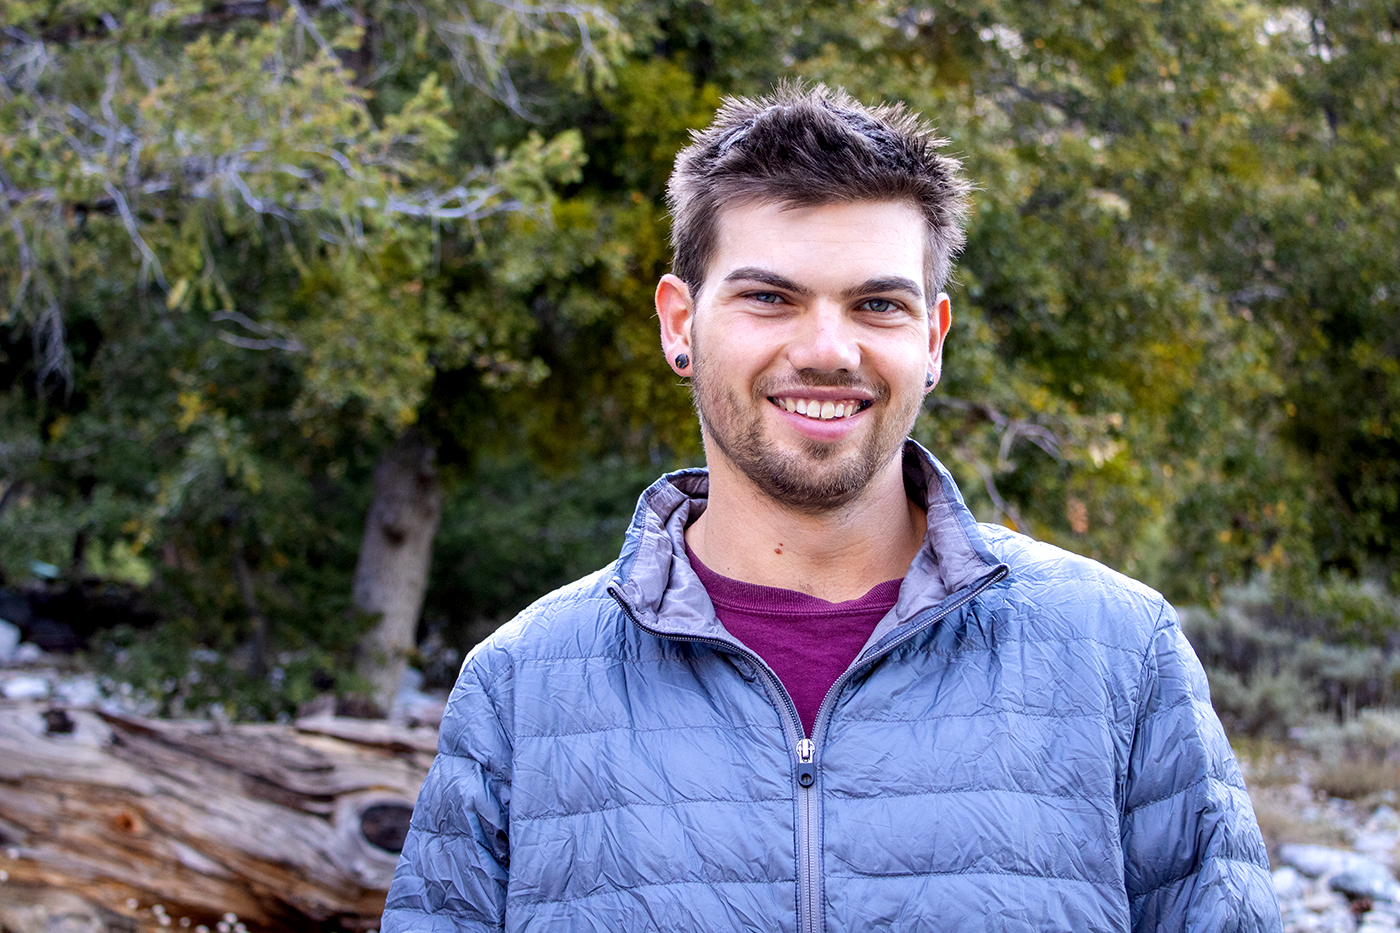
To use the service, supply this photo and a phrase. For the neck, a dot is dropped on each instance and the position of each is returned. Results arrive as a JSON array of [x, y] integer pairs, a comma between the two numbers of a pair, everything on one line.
[[836, 556]]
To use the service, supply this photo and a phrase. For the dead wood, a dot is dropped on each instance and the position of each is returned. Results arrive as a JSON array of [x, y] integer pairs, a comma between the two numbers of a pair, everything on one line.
[[290, 827]]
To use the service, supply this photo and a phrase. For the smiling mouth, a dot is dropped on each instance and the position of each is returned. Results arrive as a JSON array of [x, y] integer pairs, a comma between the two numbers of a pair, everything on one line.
[[821, 409]]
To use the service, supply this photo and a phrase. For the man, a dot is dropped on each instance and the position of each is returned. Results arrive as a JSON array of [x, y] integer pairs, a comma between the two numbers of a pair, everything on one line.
[[813, 693]]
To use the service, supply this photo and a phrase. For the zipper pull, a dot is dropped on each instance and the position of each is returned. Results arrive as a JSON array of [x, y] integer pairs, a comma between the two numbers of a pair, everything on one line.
[[806, 771]]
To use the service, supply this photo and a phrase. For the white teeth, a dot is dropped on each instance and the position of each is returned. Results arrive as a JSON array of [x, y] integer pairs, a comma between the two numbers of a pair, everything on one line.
[[820, 411]]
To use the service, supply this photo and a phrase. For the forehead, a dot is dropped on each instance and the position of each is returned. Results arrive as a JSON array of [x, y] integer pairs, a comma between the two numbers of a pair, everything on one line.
[[826, 243]]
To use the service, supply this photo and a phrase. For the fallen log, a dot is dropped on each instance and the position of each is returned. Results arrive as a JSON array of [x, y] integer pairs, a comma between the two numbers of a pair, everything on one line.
[[156, 823]]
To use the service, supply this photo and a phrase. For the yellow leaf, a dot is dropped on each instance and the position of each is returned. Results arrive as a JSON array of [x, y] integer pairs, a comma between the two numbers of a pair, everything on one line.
[[177, 294]]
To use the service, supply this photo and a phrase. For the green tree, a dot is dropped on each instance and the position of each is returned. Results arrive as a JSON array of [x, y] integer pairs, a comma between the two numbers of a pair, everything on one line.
[[245, 217]]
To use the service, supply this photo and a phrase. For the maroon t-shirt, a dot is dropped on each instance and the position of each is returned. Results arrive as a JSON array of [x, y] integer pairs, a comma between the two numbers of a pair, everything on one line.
[[808, 642]]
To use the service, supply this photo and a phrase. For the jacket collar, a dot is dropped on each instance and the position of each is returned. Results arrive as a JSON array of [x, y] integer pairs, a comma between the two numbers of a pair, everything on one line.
[[654, 578]]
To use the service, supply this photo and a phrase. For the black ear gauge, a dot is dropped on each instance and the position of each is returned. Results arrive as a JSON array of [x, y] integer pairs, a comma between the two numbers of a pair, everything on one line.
[[928, 380], [682, 361]]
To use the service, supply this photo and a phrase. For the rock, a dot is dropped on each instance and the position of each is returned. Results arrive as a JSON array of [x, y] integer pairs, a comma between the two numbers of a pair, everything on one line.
[[1379, 836], [412, 705], [1380, 920], [1383, 820], [1385, 913], [323, 704], [1320, 902], [25, 687], [415, 707], [79, 691], [9, 640], [1288, 883], [1320, 861], [1376, 885], [1347, 872], [1369, 925]]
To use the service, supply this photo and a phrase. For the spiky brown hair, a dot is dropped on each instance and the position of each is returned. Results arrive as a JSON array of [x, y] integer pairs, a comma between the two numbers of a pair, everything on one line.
[[804, 146]]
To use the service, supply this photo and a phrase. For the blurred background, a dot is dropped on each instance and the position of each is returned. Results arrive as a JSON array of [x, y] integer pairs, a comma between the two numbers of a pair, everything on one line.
[[326, 338]]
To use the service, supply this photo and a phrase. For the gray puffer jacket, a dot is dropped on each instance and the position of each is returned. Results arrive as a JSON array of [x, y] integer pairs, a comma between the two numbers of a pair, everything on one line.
[[1025, 743]]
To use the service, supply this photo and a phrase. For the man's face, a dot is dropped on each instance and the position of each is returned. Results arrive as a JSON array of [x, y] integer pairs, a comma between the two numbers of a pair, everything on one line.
[[810, 342]]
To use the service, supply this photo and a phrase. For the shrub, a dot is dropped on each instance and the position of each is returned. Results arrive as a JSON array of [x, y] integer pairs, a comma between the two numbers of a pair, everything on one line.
[[1273, 663], [1356, 759]]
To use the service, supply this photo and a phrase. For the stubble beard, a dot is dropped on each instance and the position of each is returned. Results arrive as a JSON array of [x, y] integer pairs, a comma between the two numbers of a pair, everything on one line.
[[816, 478]]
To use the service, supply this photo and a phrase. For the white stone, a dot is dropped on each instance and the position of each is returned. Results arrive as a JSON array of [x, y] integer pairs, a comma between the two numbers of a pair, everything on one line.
[[1384, 820], [79, 691], [1288, 883], [9, 640], [25, 687], [1317, 861], [1375, 883], [1321, 902]]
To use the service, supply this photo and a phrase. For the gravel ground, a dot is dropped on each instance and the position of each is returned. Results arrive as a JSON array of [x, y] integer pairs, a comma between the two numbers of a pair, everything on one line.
[[1334, 860]]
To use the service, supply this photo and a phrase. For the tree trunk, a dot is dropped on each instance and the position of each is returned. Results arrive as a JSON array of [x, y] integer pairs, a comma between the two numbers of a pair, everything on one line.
[[290, 827], [243, 575], [392, 574]]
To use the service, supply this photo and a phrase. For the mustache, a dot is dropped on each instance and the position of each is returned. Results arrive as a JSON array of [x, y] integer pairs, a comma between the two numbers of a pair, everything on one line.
[[822, 379]]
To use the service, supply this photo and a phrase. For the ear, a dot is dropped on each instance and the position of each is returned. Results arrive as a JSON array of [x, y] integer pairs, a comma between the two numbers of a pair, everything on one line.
[[676, 311], [940, 320]]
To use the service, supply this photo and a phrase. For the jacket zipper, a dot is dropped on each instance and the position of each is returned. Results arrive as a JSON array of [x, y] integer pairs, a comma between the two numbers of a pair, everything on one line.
[[810, 884], [808, 839], [804, 748]]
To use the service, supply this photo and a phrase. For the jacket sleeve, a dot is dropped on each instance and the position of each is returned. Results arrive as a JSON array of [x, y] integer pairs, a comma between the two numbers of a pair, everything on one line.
[[453, 871], [1194, 859]]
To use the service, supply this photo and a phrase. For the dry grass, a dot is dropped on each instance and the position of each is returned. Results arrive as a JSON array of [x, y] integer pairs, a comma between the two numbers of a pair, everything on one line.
[[1281, 821], [1356, 760], [1267, 763], [1355, 779], [1274, 773]]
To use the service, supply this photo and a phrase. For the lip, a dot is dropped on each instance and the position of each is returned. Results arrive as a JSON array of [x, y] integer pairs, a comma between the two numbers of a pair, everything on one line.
[[834, 430]]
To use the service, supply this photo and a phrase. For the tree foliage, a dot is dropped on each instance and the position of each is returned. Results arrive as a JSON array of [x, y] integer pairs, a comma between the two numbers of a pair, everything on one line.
[[246, 245]]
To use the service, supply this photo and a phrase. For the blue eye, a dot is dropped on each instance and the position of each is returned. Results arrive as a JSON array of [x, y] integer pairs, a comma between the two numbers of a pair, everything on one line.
[[879, 305], [768, 298]]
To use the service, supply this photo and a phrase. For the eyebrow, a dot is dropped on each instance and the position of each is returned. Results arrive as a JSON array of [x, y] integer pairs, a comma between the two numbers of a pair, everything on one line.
[[755, 274], [892, 283]]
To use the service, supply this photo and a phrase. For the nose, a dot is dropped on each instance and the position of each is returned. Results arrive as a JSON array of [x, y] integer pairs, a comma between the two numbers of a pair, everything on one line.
[[824, 339]]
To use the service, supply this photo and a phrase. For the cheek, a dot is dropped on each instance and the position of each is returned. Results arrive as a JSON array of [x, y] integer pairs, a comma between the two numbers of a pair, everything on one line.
[[915, 363]]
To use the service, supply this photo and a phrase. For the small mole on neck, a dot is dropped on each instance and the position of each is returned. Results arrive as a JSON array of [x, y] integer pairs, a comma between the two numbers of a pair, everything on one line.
[[779, 548]]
